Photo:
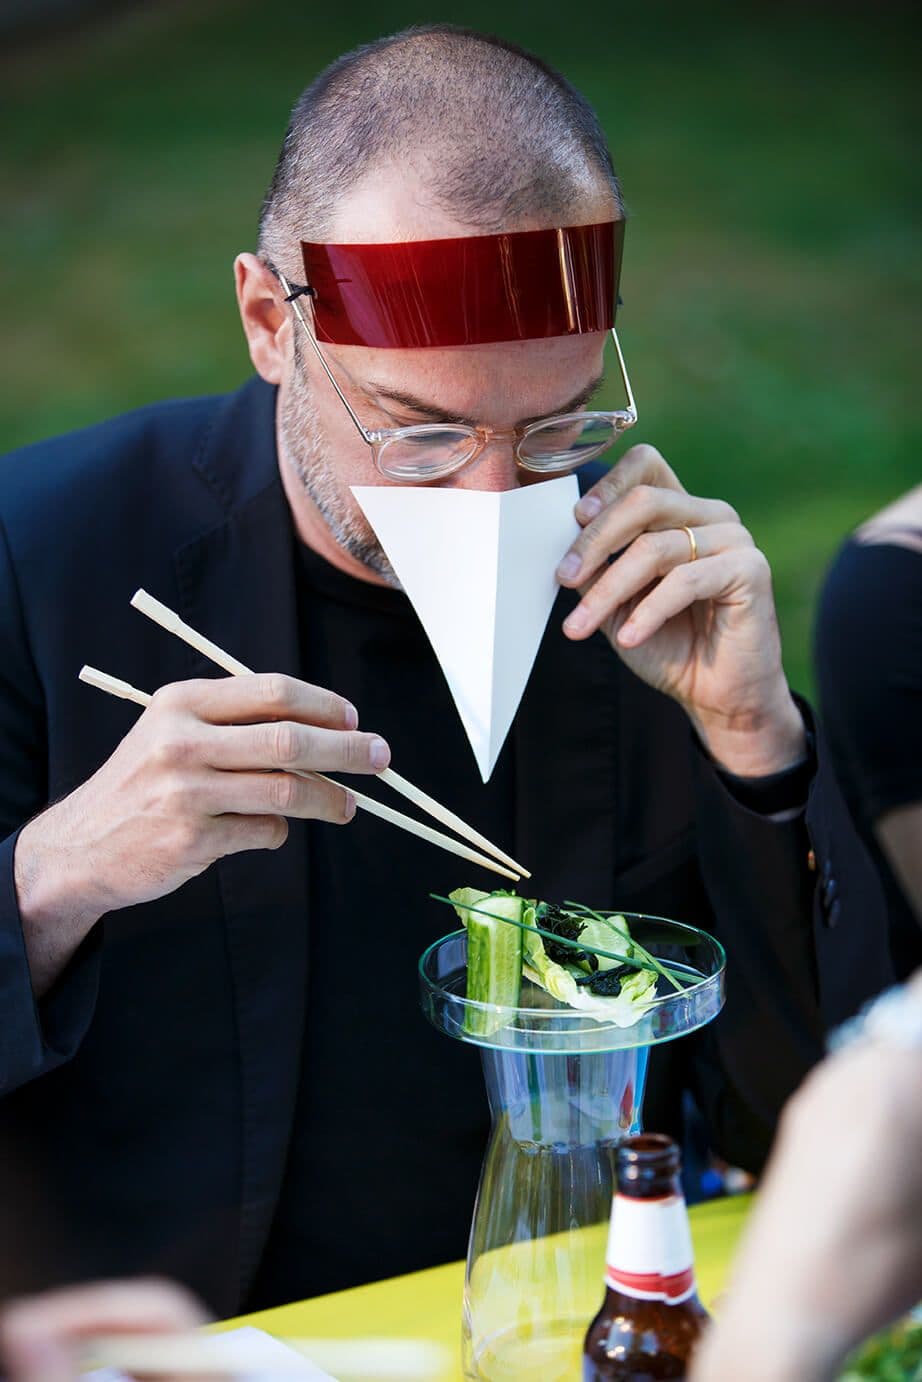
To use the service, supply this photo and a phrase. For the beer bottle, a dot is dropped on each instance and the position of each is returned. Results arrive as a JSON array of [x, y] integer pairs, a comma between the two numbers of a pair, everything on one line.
[[651, 1317]]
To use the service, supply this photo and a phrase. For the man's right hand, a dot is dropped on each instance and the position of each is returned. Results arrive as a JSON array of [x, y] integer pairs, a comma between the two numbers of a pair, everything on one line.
[[208, 770]]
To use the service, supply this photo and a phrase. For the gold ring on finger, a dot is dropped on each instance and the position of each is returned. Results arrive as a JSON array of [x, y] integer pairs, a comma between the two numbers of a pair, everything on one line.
[[692, 542]]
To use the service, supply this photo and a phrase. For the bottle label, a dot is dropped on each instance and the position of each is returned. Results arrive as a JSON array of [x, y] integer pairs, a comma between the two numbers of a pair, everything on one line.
[[650, 1250]]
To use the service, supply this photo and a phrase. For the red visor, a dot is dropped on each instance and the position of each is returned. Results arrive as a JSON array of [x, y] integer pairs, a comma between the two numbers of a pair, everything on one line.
[[467, 291]]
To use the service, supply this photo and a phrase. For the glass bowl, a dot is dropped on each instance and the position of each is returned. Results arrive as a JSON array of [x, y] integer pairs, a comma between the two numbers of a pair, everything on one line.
[[540, 1023]]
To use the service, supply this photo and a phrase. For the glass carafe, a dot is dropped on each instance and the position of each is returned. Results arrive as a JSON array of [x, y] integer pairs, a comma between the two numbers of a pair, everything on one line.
[[563, 1088]]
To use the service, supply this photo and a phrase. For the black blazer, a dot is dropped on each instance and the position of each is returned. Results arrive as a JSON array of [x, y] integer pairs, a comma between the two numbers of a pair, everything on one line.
[[147, 1101]]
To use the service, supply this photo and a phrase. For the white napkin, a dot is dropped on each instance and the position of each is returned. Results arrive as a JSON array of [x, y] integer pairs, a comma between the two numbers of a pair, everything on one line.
[[264, 1359]]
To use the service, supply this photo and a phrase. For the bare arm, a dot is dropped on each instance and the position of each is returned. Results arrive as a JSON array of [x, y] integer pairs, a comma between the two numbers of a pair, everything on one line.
[[899, 834], [832, 1251]]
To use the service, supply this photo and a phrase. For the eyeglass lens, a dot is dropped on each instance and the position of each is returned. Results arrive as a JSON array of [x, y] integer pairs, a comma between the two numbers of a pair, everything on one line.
[[558, 445]]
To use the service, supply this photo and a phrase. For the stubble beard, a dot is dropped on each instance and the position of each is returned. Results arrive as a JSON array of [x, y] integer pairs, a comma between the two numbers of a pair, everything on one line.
[[305, 451]]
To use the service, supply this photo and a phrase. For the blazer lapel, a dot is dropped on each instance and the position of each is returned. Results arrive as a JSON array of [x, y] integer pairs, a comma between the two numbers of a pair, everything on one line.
[[237, 586]]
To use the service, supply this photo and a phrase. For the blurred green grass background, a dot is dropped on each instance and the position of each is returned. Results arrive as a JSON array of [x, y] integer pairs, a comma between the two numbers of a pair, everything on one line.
[[771, 281]]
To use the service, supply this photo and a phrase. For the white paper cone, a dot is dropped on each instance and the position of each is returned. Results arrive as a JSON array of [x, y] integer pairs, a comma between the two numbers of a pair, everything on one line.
[[479, 569]]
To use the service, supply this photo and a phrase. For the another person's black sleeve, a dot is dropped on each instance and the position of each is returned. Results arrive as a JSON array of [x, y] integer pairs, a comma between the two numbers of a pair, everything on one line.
[[868, 650], [869, 667]]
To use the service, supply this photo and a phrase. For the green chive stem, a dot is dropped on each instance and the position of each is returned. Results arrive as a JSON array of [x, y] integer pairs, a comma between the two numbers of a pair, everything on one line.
[[609, 919]]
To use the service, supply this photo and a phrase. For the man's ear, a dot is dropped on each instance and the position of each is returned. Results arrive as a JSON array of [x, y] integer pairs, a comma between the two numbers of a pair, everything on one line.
[[266, 322]]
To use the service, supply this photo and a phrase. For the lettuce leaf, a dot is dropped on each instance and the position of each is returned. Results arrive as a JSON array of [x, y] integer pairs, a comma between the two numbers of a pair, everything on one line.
[[637, 990], [468, 897], [547, 973]]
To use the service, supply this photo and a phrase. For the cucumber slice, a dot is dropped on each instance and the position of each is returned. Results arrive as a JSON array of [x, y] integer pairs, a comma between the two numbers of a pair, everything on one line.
[[494, 962]]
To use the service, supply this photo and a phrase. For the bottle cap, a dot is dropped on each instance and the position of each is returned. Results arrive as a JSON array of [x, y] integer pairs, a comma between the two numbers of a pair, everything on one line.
[[647, 1159]]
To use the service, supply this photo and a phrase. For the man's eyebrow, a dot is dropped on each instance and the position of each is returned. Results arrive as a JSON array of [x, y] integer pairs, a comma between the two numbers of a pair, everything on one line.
[[573, 405], [433, 413], [430, 411]]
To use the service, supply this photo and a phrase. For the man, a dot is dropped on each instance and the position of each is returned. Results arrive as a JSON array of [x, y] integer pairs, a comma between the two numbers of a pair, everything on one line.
[[213, 1058]]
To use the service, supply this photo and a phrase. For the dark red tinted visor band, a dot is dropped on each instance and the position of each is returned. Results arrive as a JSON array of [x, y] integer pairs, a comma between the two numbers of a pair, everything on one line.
[[468, 291]]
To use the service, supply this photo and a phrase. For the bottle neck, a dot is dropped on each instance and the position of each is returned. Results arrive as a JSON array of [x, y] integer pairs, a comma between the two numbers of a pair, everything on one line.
[[649, 1252]]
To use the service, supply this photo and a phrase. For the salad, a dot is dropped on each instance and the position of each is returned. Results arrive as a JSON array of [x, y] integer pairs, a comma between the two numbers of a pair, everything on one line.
[[582, 957], [895, 1355]]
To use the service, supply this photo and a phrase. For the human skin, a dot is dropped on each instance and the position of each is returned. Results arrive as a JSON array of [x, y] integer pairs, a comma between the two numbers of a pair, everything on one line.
[[899, 831], [832, 1251], [40, 1336], [706, 633]]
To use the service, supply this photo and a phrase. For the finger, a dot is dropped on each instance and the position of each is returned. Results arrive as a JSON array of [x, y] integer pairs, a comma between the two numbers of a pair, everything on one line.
[[35, 1332], [731, 577], [640, 465], [234, 834], [290, 747], [278, 794], [264, 696], [648, 558], [645, 508]]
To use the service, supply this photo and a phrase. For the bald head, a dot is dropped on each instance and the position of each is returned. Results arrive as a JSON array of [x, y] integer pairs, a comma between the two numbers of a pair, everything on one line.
[[462, 133]]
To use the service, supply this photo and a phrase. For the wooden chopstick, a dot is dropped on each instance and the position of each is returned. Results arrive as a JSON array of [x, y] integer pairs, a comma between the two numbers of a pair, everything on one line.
[[352, 1360], [442, 813], [168, 619], [116, 687]]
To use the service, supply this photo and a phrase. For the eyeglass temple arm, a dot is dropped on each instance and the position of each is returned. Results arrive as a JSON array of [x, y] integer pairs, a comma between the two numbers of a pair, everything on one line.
[[632, 407], [369, 438]]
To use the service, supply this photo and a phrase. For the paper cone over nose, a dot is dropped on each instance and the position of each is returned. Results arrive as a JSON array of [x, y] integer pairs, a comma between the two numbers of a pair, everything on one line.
[[479, 569]]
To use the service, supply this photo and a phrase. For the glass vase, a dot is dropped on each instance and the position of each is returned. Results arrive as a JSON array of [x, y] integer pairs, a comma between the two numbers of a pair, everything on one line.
[[563, 1087]]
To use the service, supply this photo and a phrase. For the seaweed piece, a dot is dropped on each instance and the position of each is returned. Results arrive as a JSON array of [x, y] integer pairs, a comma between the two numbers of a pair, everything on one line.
[[561, 923], [608, 983]]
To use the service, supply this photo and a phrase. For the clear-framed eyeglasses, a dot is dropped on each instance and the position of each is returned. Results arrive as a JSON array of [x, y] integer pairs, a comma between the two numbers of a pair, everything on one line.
[[431, 451]]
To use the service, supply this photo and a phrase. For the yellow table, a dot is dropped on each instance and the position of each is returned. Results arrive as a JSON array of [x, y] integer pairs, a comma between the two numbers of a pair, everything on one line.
[[428, 1304]]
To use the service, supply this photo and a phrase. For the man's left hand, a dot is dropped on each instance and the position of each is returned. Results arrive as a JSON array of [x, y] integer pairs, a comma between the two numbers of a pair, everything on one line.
[[703, 631]]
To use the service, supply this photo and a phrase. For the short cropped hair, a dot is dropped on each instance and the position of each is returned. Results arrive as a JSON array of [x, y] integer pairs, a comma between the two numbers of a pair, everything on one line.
[[502, 136]]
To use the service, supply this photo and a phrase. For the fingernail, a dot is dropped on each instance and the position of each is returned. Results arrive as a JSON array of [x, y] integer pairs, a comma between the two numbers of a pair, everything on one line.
[[589, 507], [379, 754], [628, 635], [576, 621], [569, 567], [350, 716], [349, 806]]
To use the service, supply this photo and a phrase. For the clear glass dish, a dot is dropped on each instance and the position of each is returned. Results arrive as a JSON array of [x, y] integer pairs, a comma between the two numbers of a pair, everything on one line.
[[540, 1023]]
